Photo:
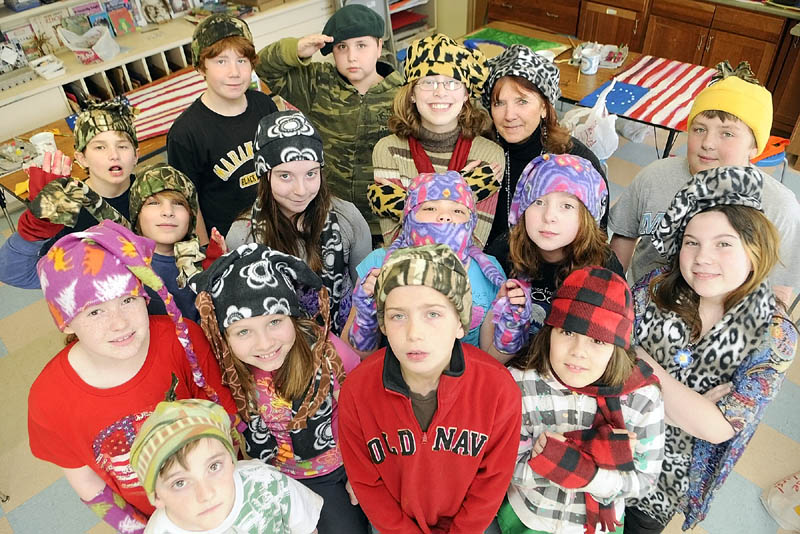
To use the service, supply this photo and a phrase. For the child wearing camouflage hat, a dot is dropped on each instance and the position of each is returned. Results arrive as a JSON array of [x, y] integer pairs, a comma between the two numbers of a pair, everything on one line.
[[348, 101], [212, 140], [86, 405], [106, 145], [184, 456], [429, 426]]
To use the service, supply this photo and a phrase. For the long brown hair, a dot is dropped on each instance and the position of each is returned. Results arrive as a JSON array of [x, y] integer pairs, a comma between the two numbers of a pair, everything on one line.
[[406, 121], [589, 247], [277, 231], [558, 139], [761, 242], [294, 376], [537, 358]]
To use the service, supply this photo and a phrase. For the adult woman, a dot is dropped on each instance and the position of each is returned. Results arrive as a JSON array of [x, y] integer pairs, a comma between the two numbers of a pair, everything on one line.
[[294, 212], [720, 342], [436, 128], [521, 92]]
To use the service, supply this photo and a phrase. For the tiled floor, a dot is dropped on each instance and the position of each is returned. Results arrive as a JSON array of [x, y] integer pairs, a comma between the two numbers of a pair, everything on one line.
[[41, 501]]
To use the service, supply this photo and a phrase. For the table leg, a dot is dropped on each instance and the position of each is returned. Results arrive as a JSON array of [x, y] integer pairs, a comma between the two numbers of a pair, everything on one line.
[[670, 141], [5, 210]]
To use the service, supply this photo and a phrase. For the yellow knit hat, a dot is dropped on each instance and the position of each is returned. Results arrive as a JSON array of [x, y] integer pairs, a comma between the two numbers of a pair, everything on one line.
[[751, 103]]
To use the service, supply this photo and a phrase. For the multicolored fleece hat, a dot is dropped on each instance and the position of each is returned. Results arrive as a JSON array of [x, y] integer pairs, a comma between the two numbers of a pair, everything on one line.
[[215, 28], [353, 20], [103, 263], [112, 116], [434, 266], [721, 186], [750, 102], [519, 60], [169, 428], [255, 280], [449, 185], [285, 136], [438, 54], [595, 302], [551, 173]]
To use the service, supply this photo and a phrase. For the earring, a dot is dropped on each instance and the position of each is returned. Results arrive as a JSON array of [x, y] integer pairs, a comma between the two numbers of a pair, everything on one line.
[[413, 100], [543, 134]]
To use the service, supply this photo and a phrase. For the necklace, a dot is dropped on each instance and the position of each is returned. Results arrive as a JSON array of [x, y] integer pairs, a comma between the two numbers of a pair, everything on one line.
[[508, 188]]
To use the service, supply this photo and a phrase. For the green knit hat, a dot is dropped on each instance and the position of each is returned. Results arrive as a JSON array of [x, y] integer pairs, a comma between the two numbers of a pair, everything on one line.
[[113, 116], [215, 28], [171, 426], [354, 20], [435, 266]]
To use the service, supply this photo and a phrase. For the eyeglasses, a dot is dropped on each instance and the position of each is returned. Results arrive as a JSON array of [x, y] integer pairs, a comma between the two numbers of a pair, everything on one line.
[[431, 85]]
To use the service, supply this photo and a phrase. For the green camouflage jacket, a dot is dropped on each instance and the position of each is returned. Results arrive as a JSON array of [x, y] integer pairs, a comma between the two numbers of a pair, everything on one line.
[[350, 124]]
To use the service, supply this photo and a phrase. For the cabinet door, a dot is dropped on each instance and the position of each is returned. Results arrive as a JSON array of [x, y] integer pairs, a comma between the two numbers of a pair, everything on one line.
[[610, 25], [786, 93], [559, 17], [735, 48], [674, 39]]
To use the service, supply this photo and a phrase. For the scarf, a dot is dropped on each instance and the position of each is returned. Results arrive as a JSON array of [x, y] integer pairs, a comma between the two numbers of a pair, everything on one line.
[[61, 200], [423, 162], [597, 447]]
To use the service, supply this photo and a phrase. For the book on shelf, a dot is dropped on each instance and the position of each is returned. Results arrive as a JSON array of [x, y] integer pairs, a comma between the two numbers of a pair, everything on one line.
[[26, 37], [86, 9], [137, 13], [45, 26], [122, 20], [77, 24], [101, 19], [156, 11]]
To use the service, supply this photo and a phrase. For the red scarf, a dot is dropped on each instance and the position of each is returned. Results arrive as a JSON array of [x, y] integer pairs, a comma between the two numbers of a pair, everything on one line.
[[457, 161], [584, 451]]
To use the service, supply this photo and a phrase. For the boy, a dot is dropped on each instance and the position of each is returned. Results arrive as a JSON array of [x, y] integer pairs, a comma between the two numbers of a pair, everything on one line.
[[429, 427], [212, 141], [349, 103], [729, 124], [106, 146], [185, 458]]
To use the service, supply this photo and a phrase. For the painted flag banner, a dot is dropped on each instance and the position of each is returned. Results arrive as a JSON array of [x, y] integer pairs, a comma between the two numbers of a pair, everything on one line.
[[160, 104], [672, 86]]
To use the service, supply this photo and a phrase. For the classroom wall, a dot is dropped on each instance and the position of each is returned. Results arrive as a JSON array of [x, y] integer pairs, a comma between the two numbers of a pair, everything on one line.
[[451, 17]]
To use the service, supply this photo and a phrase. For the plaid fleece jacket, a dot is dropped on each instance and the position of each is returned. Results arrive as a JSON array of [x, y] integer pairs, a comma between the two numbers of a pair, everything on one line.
[[547, 405]]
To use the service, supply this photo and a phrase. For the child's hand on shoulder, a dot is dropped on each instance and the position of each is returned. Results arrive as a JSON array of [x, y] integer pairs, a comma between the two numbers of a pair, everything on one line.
[[513, 290], [541, 441], [308, 45], [633, 441]]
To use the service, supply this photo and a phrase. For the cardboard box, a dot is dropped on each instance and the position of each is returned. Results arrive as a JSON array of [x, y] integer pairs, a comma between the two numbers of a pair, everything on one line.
[[793, 149]]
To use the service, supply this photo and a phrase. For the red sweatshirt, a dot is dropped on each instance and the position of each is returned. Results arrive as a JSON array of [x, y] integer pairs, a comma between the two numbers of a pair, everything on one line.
[[451, 478]]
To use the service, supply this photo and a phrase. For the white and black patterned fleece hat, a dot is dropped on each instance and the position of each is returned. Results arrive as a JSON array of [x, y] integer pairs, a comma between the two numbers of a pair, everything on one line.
[[721, 186], [519, 60], [285, 136], [255, 280]]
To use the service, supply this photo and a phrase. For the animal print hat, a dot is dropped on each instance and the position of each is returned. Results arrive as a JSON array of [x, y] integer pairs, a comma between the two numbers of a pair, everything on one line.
[[439, 54], [519, 60]]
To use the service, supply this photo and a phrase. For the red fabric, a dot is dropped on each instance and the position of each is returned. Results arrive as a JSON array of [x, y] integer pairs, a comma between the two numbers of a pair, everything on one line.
[[213, 251], [435, 487], [573, 463], [72, 424], [457, 161], [29, 227]]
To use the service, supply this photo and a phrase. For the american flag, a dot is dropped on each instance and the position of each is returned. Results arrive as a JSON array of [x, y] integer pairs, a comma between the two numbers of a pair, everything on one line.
[[673, 85], [160, 104]]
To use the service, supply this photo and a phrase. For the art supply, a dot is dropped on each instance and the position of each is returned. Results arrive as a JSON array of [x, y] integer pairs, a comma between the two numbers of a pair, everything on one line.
[[44, 142], [590, 61]]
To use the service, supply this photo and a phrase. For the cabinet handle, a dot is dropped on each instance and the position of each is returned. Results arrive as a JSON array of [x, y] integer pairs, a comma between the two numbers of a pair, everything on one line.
[[506, 5], [708, 44], [700, 43], [551, 15], [635, 26], [795, 40]]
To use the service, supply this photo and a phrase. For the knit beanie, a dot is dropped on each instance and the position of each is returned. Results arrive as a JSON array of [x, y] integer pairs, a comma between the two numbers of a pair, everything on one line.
[[438, 54], [215, 28], [750, 102], [103, 263], [111, 116], [519, 60], [550, 173], [719, 186], [595, 302], [353, 20], [169, 428], [434, 266]]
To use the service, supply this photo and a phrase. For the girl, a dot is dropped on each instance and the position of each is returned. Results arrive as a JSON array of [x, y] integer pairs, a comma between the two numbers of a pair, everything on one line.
[[283, 368], [555, 216], [585, 400], [295, 213], [440, 209], [106, 146], [521, 92], [87, 404], [720, 342], [436, 128]]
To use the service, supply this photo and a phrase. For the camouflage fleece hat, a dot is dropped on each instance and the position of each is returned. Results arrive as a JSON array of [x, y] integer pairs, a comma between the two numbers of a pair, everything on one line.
[[215, 28], [112, 116], [157, 178]]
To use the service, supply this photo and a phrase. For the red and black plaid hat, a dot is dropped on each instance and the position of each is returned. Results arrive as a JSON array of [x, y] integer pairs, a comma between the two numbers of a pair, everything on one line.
[[595, 302]]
